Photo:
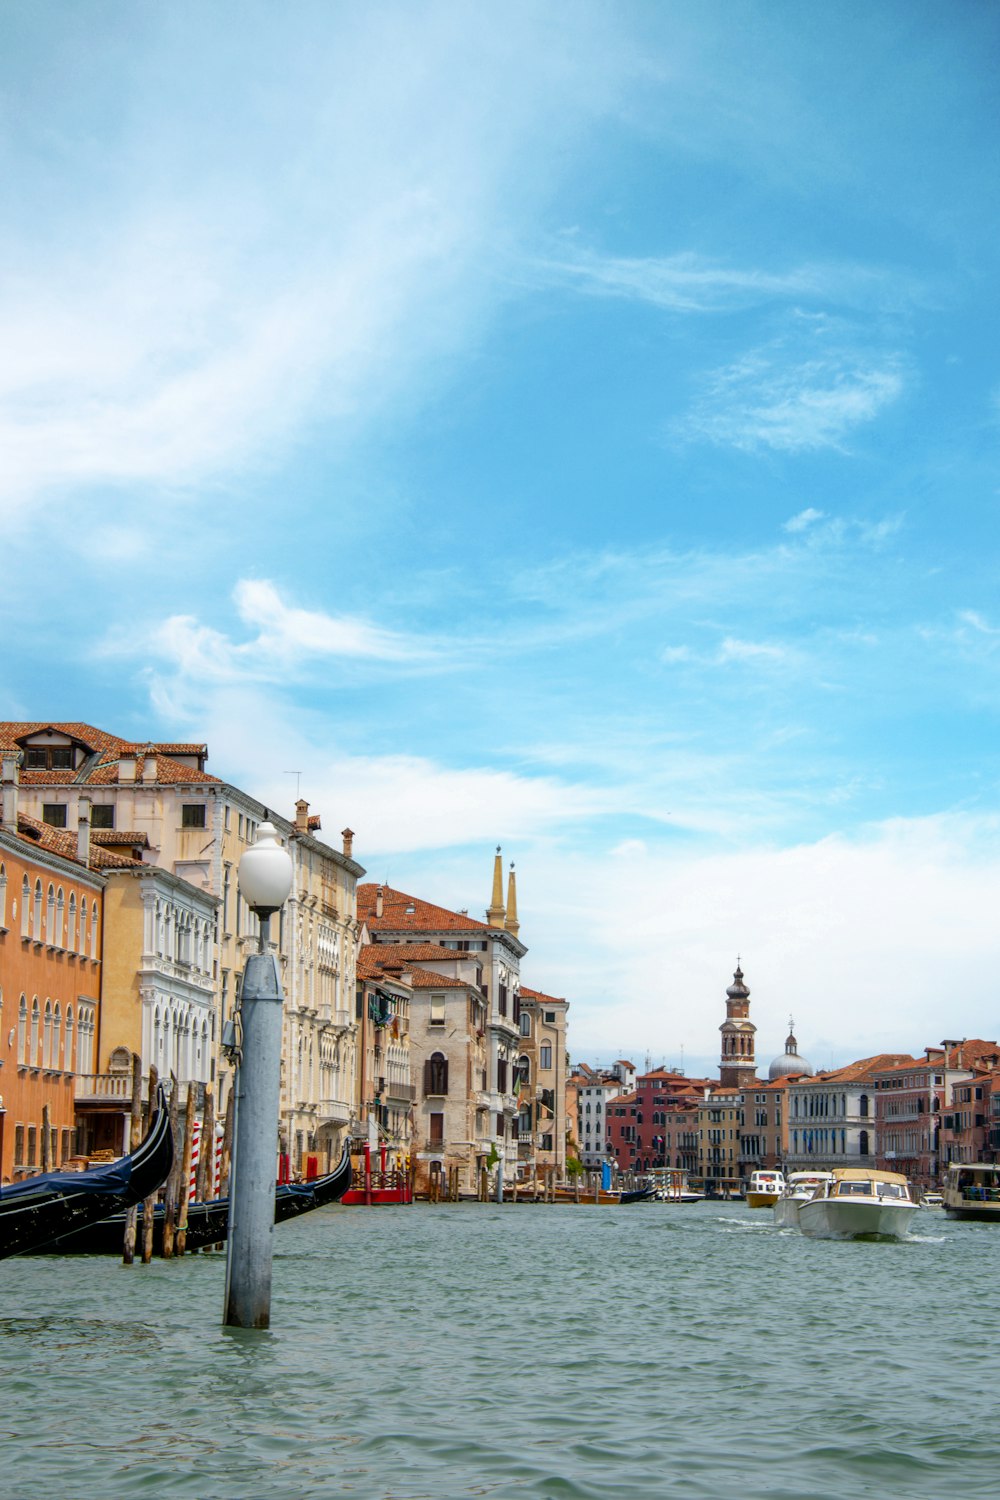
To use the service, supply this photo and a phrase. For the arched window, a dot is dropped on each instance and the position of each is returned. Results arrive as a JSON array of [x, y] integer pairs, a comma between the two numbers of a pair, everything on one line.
[[863, 1107], [25, 908], [82, 945], [57, 1036], [36, 1017], [94, 934], [50, 916], [436, 1074], [69, 1060], [22, 1030], [71, 933], [59, 937], [863, 1143], [525, 1023], [3, 895], [47, 1036], [36, 915]]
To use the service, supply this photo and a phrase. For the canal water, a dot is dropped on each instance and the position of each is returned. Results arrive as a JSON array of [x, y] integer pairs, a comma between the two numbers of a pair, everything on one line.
[[525, 1351]]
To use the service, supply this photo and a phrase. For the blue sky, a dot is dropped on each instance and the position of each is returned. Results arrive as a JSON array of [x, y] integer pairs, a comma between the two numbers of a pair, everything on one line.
[[570, 426]]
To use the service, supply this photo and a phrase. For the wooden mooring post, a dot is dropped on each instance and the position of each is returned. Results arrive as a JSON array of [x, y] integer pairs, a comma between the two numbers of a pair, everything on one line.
[[172, 1191], [149, 1204], [135, 1136]]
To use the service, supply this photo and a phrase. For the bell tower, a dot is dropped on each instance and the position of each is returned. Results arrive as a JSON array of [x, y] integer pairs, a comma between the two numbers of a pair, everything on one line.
[[737, 1066]]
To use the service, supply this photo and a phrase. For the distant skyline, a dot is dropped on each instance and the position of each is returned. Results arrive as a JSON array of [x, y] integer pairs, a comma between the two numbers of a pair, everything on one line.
[[567, 426]]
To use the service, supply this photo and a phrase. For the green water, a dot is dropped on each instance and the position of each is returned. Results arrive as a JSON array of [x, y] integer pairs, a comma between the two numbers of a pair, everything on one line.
[[526, 1351]]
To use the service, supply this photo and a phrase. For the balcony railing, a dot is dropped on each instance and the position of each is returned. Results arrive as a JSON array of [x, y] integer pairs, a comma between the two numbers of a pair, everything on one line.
[[334, 1112], [116, 1088]]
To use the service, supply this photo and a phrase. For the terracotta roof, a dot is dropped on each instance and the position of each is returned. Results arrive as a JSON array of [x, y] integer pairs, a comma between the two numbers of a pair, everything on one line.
[[373, 964], [540, 995], [109, 748], [864, 1068], [126, 838], [401, 912], [411, 952], [60, 841]]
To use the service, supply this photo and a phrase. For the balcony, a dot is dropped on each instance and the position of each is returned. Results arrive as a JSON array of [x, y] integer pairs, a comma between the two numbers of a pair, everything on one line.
[[333, 1112], [403, 1092], [115, 1090]]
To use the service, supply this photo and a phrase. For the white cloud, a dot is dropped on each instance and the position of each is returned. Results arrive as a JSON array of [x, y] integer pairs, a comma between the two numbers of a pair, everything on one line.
[[803, 520], [884, 941], [285, 641], [763, 401], [692, 283], [266, 259], [733, 649]]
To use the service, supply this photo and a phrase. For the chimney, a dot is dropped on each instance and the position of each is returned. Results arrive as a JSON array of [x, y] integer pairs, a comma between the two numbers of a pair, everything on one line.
[[302, 816], [9, 781], [126, 768], [149, 764], [378, 901], [83, 830], [348, 837]]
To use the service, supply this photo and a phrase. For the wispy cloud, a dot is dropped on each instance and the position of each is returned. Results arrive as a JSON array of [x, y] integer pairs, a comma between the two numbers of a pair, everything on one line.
[[688, 282], [246, 271], [765, 401], [285, 639], [803, 520]]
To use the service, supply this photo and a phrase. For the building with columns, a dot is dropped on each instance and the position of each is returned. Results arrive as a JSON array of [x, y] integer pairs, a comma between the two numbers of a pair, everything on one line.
[[195, 826]]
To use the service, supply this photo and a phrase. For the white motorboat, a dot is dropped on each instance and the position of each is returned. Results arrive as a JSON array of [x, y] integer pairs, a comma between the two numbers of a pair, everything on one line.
[[972, 1190], [672, 1186], [766, 1187], [859, 1203], [799, 1188]]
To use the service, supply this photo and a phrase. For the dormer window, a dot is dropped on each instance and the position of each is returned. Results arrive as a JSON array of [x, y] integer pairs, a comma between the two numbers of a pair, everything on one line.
[[48, 758]]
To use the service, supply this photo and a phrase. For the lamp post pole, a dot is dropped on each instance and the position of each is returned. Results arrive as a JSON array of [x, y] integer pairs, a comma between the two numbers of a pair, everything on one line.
[[265, 879]]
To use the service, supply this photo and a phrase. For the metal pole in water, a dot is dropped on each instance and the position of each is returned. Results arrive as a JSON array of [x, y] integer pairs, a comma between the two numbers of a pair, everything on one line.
[[265, 876]]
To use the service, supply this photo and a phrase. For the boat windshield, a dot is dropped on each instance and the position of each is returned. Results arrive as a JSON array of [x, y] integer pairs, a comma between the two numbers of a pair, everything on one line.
[[854, 1189], [891, 1190]]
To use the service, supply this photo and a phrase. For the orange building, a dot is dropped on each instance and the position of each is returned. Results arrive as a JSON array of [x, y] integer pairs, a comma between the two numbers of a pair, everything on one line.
[[51, 915]]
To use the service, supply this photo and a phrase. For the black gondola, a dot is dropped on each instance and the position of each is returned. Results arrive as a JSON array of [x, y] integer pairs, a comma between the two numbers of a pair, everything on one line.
[[208, 1222], [637, 1195], [40, 1209]]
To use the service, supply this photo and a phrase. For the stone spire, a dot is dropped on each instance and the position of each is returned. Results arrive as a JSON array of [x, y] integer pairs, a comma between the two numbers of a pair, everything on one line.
[[737, 1067], [511, 923], [495, 911]]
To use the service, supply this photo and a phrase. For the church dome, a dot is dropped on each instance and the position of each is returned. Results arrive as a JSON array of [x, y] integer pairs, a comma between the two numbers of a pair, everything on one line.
[[789, 1061]]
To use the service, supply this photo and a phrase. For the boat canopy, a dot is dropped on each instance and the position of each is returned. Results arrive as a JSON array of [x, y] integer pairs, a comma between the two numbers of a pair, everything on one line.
[[866, 1174]]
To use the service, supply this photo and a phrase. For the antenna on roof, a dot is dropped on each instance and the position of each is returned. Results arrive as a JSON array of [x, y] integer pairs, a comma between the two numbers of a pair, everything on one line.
[[298, 781]]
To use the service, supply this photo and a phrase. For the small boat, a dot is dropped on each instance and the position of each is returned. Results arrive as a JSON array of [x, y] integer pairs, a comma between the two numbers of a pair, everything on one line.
[[972, 1191], [799, 1188], [208, 1221], [766, 1187], [932, 1200], [672, 1186], [859, 1203], [35, 1212], [636, 1195]]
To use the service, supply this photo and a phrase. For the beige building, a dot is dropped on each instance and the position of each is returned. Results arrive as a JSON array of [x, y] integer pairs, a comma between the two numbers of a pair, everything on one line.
[[196, 827], [543, 1070], [482, 962]]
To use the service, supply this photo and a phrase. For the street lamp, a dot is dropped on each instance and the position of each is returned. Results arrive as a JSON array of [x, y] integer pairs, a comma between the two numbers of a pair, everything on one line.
[[265, 881]]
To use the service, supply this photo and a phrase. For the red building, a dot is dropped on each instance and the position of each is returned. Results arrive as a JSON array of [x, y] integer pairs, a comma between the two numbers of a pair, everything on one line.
[[656, 1123]]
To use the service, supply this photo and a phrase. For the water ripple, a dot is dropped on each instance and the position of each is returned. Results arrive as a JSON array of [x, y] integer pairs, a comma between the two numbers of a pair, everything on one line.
[[536, 1354]]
